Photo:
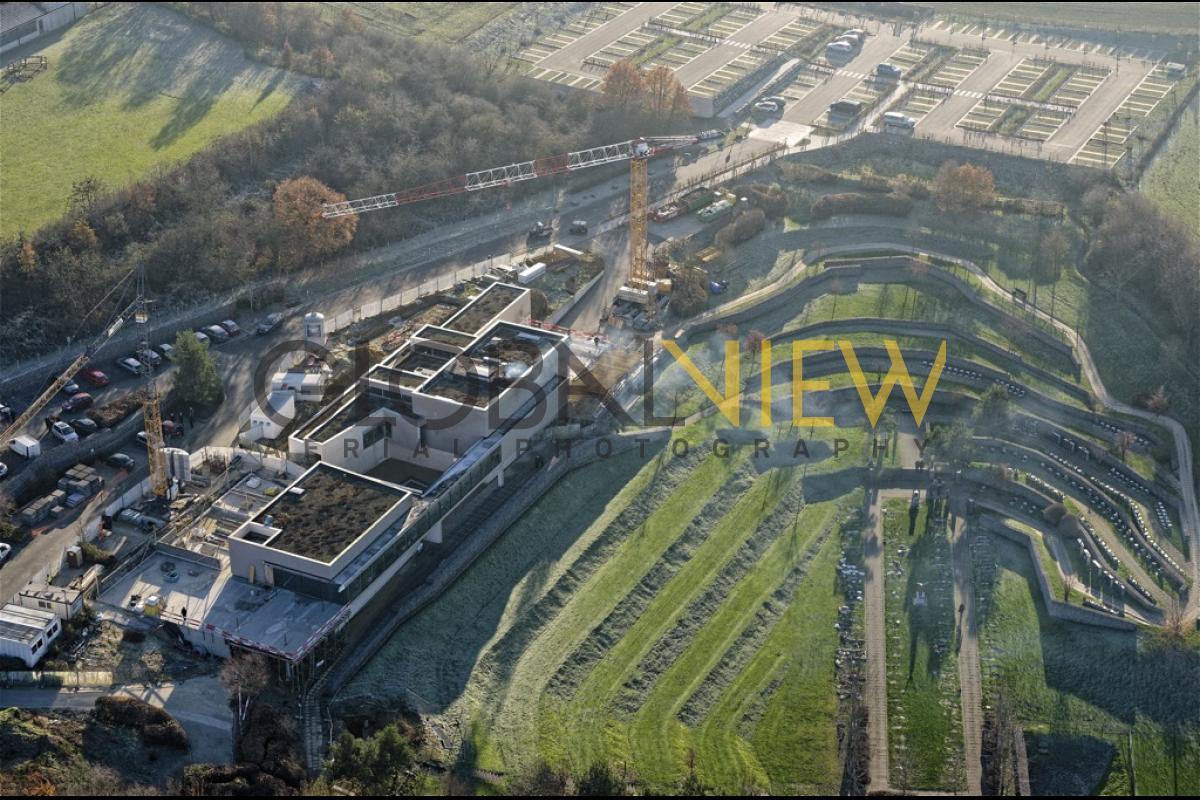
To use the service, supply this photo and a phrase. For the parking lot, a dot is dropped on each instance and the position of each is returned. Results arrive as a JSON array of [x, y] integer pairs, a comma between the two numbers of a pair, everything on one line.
[[991, 87], [713, 48]]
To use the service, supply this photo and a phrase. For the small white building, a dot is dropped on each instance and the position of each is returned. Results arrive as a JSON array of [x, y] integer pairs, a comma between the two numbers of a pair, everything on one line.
[[26, 633], [61, 601], [269, 422]]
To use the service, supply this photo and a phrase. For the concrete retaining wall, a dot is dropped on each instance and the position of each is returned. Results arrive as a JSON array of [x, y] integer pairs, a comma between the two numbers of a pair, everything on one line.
[[1056, 608]]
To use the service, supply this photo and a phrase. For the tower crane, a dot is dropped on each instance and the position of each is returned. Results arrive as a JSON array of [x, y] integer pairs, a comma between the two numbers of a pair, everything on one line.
[[136, 310], [636, 151], [151, 409]]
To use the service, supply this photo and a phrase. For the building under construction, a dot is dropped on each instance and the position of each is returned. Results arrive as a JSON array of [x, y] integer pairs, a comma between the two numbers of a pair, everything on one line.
[[283, 553]]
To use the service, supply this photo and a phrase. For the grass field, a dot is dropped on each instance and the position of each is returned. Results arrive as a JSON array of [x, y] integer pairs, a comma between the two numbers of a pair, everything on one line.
[[1150, 17], [660, 616], [1083, 693], [129, 87], [924, 713], [445, 22], [1171, 179]]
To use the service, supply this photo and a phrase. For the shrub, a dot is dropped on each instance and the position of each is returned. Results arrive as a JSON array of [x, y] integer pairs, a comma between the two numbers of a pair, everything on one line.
[[168, 734], [875, 183], [891, 205], [155, 725], [94, 555], [747, 225], [771, 199]]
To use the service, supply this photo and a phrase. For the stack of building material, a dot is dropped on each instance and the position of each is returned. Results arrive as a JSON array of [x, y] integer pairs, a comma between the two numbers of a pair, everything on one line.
[[81, 479]]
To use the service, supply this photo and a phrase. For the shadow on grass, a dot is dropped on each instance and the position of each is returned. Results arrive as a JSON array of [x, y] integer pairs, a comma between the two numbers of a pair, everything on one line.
[[140, 53], [1135, 677]]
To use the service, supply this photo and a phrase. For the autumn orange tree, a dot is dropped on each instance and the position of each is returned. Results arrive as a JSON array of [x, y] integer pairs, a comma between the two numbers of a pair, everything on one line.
[[623, 86], [306, 235], [965, 187], [657, 94], [665, 96]]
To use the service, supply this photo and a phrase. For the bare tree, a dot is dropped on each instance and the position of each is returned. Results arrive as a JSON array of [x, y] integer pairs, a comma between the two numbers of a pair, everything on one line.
[[1124, 440], [245, 676]]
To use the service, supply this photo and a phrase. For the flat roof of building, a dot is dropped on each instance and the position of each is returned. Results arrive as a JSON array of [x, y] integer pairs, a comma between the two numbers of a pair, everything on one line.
[[483, 308], [45, 591], [268, 618], [500, 356], [23, 625], [325, 510]]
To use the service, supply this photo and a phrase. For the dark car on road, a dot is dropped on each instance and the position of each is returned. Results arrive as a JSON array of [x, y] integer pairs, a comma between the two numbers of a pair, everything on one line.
[[84, 426], [269, 323], [77, 402], [120, 461]]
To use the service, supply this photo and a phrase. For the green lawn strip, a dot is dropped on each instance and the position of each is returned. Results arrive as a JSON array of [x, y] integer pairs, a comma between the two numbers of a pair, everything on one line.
[[925, 736], [659, 739], [726, 756], [129, 87], [599, 689], [587, 608], [796, 738], [515, 667], [1072, 684], [510, 578], [1046, 558]]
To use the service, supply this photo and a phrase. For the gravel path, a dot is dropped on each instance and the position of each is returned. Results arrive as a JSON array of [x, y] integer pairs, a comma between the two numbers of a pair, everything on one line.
[[968, 658]]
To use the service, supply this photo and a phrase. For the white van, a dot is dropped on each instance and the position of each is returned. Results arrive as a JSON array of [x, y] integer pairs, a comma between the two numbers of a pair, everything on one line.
[[894, 119], [26, 446]]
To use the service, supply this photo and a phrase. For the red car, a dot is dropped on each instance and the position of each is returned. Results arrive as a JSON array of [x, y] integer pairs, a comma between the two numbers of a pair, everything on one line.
[[94, 377]]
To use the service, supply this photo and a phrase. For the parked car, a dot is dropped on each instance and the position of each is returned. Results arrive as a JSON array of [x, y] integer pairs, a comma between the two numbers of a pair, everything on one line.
[[130, 365], [776, 99], [5, 549], [141, 437], [888, 71], [77, 402], [64, 432], [579, 226], [120, 461], [540, 230], [766, 108], [171, 429], [231, 327], [70, 388], [3, 471], [166, 350], [7, 415], [201, 337], [150, 357], [269, 323], [84, 426], [216, 333], [94, 377]]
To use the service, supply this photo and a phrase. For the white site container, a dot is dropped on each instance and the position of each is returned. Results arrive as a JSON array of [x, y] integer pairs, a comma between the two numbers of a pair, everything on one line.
[[531, 274]]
